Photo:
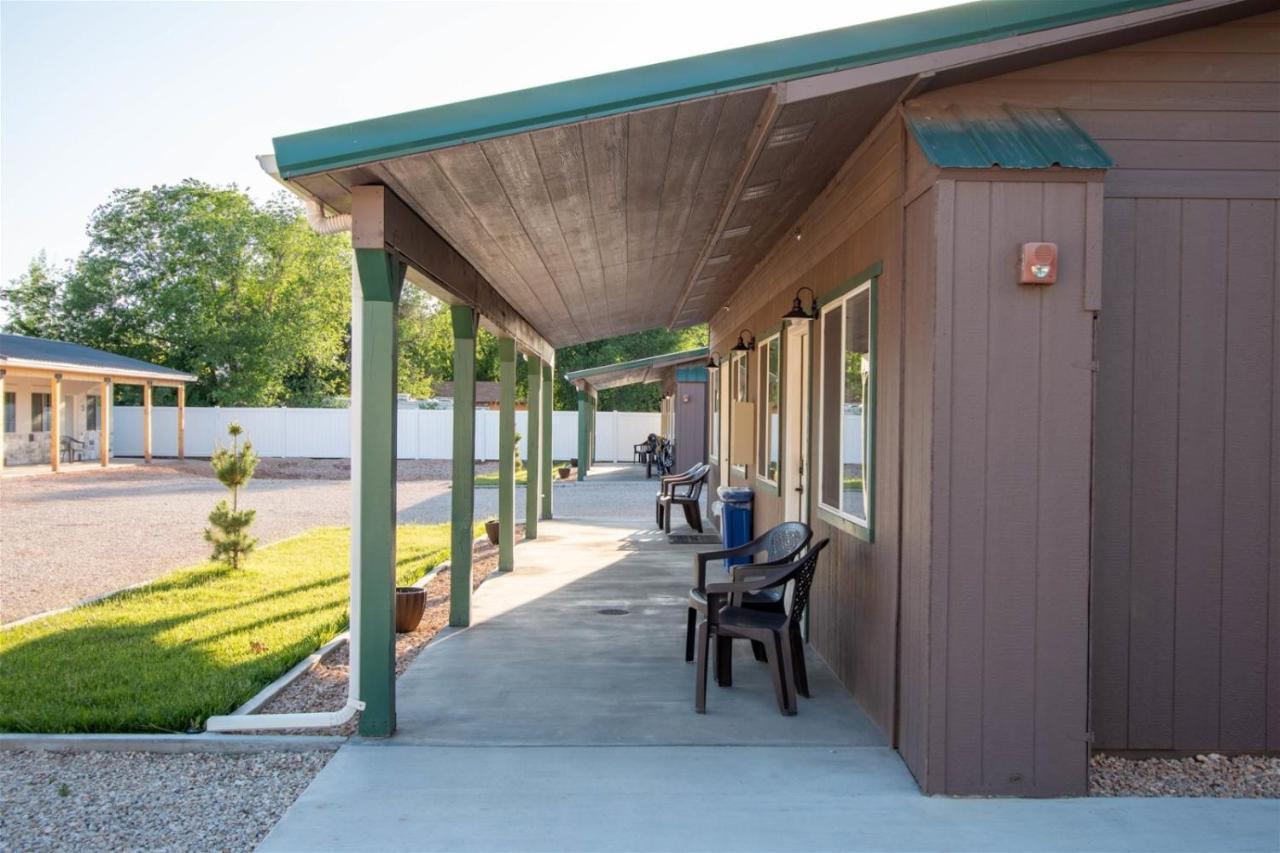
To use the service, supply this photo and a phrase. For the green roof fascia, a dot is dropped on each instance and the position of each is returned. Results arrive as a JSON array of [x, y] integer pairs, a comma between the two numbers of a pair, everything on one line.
[[1006, 137], [616, 92], [635, 364]]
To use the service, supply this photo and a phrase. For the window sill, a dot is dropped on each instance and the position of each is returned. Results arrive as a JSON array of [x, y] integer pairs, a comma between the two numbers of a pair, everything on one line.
[[840, 521]]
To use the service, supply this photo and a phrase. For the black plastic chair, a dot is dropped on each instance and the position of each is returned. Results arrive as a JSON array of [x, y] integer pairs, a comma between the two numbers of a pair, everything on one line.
[[777, 631], [690, 500], [671, 480], [640, 452], [777, 546]]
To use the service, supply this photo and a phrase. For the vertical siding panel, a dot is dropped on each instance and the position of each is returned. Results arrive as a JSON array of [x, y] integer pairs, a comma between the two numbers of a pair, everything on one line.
[[1012, 445], [1062, 562], [1273, 618], [1247, 485], [1113, 482], [1155, 473], [965, 591], [917, 403], [1200, 453]]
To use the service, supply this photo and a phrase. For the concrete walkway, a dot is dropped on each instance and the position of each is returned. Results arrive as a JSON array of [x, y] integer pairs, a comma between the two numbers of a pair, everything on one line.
[[549, 725]]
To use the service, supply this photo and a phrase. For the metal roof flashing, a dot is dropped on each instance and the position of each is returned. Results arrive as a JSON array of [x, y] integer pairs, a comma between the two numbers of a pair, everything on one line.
[[615, 92], [1003, 136]]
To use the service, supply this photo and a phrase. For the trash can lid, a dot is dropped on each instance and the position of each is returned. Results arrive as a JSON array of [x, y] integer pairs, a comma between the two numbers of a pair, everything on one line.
[[735, 494]]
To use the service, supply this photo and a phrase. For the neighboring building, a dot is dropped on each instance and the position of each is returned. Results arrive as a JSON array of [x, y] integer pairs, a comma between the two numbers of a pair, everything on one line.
[[1053, 506], [58, 395], [684, 401]]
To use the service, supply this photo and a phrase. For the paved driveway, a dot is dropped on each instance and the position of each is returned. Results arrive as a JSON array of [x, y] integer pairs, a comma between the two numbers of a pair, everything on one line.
[[64, 538]]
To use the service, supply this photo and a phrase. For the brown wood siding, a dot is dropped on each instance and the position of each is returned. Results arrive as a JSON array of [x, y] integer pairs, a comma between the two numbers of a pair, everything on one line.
[[1007, 531], [854, 223], [1185, 628]]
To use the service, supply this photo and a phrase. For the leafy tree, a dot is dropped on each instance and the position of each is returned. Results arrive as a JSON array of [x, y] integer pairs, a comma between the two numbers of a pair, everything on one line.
[[202, 279], [234, 467], [628, 398]]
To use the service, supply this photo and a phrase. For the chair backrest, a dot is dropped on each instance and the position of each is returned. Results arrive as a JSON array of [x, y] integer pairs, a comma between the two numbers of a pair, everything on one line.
[[699, 475], [786, 541], [802, 577]]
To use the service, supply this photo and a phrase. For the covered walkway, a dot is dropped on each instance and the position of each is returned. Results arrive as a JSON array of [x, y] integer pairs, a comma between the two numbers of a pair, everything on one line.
[[551, 725]]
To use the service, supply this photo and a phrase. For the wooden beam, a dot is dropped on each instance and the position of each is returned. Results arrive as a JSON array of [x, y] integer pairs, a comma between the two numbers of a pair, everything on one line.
[[87, 375], [533, 450], [462, 518], [146, 421], [104, 424], [584, 437], [548, 400], [380, 220], [55, 420], [507, 455], [182, 422]]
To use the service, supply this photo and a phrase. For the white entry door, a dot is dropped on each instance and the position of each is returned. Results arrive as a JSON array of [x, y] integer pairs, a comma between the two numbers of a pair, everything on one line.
[[796, 477]]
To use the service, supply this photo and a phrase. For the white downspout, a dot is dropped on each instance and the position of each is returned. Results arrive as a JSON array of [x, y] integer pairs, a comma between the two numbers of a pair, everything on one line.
[[327, 719]]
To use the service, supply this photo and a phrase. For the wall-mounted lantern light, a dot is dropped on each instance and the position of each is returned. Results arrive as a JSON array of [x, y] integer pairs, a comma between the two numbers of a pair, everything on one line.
[[743, 345], [713, 361], [798, 311]]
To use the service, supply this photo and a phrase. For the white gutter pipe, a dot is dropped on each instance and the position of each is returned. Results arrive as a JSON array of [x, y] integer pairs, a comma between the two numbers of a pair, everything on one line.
[[326, 719]]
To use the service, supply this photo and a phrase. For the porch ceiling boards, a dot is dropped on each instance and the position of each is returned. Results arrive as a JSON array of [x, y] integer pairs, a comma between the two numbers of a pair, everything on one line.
[[644, 198]]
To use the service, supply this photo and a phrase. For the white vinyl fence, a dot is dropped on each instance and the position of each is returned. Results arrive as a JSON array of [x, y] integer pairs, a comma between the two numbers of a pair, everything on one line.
[[326, 433]]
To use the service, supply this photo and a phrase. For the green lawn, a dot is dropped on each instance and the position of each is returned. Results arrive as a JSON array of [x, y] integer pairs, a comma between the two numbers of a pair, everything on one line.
[[195, 643], [522, 476]]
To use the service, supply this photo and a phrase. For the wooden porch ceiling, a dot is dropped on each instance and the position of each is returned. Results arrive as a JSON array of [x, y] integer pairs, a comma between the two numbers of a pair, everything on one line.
[[630, 222]]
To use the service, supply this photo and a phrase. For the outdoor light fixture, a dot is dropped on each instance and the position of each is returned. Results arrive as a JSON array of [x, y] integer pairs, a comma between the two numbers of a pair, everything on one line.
[[798, 311], [713, 361], [743, 345]]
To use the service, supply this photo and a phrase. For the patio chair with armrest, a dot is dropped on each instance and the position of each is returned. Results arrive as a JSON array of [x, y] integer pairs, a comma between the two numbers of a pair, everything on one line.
[[671, 480], [778, 545], [73, 449], [777, 631], [690, 500], [640, 452]]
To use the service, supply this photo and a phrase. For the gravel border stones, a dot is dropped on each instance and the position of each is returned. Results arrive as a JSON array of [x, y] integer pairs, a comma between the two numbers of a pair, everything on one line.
[[1209, 775], [147, 801]]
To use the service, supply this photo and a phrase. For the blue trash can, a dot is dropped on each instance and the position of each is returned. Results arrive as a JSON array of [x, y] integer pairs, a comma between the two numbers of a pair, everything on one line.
[[735, 519]]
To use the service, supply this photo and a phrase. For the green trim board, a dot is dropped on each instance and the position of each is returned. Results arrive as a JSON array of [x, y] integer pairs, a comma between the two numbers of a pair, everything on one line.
[[533, 448], [548, 409], [856, 280], [462, 496], [770, 339], [983, 136], [352, 144], [506, 454]]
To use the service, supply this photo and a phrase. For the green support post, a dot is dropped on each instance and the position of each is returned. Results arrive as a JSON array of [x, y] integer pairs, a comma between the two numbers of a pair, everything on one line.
[[533, 450], [464, 463], [381, 276], [507, 455], [584, 432], [548, 404]]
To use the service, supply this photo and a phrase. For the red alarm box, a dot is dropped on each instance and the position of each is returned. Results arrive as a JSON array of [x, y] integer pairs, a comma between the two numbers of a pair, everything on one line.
[[1038, 263]]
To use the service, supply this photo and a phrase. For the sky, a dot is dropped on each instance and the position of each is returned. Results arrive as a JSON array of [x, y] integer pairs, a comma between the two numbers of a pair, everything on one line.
[[98, 96]]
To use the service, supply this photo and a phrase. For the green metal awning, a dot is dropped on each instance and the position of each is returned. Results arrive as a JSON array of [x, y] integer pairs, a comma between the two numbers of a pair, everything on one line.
[[1006, 136], [637, 371], [682, 79]]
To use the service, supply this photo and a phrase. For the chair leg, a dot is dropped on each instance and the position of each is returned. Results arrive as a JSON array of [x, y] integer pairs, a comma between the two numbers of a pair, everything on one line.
[[802, 672], [789, 670], [666, 520], [700, 672], [659, 512], [775, 673], [688, 634], [757, 651], [693, 516], [724, 661]]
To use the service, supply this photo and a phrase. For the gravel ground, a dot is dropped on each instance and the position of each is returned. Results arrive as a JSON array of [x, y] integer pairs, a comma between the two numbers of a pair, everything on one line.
[[147, 801], [324, 687], [66, 538], [1211, 775]]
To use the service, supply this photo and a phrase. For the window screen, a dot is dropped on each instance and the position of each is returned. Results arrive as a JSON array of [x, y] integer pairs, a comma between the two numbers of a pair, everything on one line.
[[847, 362]]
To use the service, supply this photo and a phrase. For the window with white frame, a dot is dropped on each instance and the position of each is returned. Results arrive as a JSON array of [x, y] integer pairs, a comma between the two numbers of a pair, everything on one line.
[[10, 411], [91, 412], [738, 388], [770, 409], [714, 383], [846, 414]]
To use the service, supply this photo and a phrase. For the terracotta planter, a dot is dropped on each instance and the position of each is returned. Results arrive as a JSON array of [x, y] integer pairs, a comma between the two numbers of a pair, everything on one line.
[[410, 602], [491, 530], [564, 472]]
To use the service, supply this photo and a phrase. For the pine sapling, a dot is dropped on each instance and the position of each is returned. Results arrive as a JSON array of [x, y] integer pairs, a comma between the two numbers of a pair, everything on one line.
[[229, 535]]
